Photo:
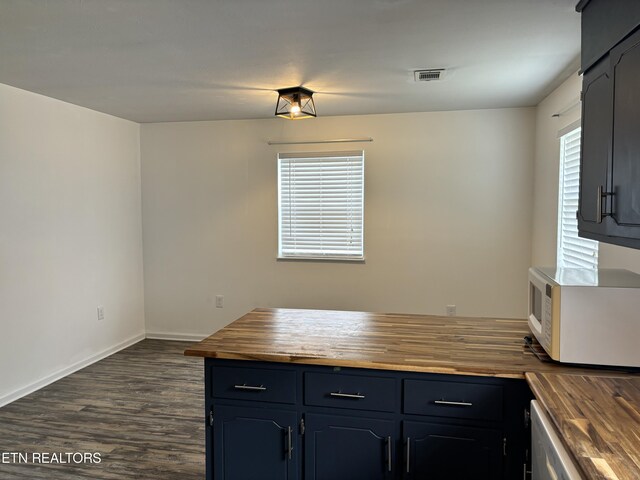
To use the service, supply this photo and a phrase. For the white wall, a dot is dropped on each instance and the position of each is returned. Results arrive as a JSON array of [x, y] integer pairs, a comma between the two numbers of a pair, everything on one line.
[[546, 177], [70, 238], [449, 201], [547, 166], [447, 217]]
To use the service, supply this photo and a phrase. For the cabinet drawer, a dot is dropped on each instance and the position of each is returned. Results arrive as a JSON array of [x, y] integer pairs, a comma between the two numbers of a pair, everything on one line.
[[359, 392], [257, 384], [453, 399]]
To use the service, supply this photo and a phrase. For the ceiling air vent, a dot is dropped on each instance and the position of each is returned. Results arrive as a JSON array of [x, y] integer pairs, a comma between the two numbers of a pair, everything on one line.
[[428, 75]]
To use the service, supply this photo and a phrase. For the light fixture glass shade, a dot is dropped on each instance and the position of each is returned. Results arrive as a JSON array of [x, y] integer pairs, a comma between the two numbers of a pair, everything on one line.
[[295, 103]]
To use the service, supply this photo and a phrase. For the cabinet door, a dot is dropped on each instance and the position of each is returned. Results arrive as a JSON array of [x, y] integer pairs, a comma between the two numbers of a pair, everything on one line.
[[595, 146], [449, 452], [348, 448], [254, 444], [626, 140]]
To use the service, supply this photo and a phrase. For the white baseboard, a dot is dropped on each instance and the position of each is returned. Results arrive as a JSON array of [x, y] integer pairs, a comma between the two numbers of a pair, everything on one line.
[[43, 382], [188, 337]]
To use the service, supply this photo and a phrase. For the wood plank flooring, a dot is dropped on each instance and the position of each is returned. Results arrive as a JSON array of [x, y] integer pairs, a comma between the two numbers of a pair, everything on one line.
[[141, 409]]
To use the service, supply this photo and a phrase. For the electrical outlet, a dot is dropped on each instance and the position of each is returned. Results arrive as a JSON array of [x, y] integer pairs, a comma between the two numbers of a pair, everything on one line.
[[100, 312], [451, 310], [219, 301]]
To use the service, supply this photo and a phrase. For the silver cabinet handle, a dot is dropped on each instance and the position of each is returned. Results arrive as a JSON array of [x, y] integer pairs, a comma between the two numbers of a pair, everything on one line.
[[253, 388], [408, 453], [601, 194], [599, 205], [456, 404], [346, 395], [289, 443], [389, 461]]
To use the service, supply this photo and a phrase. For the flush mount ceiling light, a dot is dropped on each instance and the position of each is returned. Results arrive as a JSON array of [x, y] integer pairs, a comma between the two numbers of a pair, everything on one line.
[[295, 103]]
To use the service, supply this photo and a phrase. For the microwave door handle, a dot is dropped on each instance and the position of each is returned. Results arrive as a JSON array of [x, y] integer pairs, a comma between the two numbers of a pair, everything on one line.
[[535, 324]]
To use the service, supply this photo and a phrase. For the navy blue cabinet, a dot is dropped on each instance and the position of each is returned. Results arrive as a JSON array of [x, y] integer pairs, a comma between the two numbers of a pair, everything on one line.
[[609, 207], [268, 421], [596, 149], [339, 447], [254, 443], [451, 452]]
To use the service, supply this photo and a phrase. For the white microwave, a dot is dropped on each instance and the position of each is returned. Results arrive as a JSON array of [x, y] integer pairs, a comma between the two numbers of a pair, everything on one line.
[[586, 316]]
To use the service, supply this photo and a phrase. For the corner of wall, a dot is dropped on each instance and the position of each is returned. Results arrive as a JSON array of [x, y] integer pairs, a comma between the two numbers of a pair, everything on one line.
[[559, 109]]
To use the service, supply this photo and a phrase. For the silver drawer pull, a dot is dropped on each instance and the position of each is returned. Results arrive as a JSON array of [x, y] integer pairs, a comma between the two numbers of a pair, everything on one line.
[[408, 454], [456, 404], [346, 395], [253, 388], [389, 459], [289, 443]]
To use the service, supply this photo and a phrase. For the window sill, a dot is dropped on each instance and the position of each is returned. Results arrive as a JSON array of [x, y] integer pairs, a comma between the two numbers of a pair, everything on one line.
[[321, 259]]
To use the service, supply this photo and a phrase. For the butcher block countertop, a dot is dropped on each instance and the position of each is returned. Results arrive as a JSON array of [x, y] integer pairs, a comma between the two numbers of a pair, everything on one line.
[[418, 343], [598, 418]]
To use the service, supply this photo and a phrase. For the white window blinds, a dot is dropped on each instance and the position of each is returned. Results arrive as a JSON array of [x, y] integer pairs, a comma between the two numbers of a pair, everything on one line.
[[573, 251], [321, 205]]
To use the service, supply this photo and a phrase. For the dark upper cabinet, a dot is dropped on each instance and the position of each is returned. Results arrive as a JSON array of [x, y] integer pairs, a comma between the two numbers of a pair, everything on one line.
[[604, 24], [595, 147], [625, 64], [609, 208]]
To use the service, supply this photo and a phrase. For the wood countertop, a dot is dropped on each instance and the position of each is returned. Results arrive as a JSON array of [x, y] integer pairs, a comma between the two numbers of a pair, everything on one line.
[[418, 343], [598, 418]]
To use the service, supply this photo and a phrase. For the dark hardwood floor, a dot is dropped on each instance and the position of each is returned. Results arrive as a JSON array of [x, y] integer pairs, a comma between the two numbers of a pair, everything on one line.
[[141, 409]]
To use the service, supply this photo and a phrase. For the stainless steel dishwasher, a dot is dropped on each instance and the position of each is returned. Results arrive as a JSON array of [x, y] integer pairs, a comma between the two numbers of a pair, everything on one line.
[[550, 459]]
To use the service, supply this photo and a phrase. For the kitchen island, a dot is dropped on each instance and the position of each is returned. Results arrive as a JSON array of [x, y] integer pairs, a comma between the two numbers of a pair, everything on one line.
[[329, 394]]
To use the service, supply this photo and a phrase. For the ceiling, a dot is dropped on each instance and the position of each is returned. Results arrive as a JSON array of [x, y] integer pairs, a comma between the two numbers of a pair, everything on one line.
[[168, 60]]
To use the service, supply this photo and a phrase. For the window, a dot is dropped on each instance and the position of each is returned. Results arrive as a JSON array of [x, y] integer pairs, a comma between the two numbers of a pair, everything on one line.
[[321, 205], [573, 251]]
